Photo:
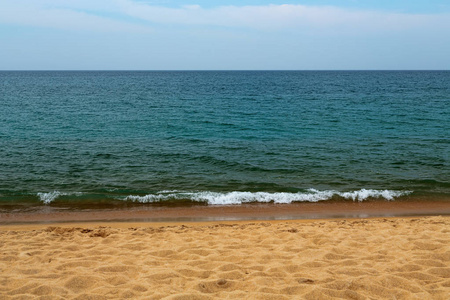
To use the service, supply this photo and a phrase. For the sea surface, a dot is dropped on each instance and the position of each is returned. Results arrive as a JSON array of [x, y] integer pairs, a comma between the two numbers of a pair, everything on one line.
[[222, 137]]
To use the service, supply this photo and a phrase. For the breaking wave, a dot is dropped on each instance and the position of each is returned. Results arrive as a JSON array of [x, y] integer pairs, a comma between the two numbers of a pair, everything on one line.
[[48, 198], [311, 195]]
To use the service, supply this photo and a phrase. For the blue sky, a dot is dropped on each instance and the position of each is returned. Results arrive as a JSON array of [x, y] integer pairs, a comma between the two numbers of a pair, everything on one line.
[[224, 35]]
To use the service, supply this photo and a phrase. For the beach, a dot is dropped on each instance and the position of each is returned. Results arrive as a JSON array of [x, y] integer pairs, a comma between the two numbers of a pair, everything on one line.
[[224, 185], [352, 258]]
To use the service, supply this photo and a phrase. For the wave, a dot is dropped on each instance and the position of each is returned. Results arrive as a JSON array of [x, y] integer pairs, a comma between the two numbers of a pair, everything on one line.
[[311, 195], [48, 198], [236, 197]]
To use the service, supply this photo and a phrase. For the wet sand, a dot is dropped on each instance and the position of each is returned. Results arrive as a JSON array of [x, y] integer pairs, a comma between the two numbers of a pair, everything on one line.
[[152, 213]]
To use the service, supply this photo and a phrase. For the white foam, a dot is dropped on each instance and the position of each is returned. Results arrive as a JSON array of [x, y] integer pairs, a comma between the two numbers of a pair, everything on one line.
[[312, 195], [151, 198], [48, 198], [363, 194]]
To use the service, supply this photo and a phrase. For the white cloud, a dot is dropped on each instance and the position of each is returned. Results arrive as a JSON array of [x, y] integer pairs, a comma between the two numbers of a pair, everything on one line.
[[57, 14], [123, 15], [276, 17]]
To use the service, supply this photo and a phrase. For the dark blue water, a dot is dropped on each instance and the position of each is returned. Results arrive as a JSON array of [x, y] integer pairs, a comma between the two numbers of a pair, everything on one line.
[[223, 137]]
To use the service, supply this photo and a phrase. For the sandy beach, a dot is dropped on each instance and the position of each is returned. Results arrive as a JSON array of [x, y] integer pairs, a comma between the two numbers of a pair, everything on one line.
[[373, 258]]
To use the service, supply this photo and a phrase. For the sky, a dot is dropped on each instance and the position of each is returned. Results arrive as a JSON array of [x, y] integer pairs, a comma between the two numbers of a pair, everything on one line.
[[224, 35]]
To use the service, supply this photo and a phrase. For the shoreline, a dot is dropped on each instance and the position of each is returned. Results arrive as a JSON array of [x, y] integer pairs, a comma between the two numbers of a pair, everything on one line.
[[244, 212], [165, 225]]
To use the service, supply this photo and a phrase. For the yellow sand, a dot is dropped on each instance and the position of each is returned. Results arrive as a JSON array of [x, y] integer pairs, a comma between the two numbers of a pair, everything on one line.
[[399, 258]]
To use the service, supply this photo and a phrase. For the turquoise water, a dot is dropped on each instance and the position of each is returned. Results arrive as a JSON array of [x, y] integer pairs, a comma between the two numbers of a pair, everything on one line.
[[223, 137]]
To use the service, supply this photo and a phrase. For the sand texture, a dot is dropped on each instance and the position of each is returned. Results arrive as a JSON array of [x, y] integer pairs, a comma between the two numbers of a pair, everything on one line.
[[398, 258]]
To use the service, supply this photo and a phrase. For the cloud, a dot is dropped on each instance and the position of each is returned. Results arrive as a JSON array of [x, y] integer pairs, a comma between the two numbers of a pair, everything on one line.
[[59, 15], [279, 17], [134, 16]]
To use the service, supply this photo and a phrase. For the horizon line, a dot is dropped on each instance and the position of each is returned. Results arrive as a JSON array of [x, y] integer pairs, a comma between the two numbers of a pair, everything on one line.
[[226, 70]]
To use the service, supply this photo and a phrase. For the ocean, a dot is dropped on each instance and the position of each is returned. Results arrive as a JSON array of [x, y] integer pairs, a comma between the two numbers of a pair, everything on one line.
[[118, 138]]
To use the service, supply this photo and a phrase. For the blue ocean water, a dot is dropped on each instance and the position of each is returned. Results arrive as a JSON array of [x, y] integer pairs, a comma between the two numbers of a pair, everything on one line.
[[223, 137]]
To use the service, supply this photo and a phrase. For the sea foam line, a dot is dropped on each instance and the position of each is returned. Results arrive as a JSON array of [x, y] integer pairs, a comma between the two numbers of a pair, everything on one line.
[[312, 195]]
